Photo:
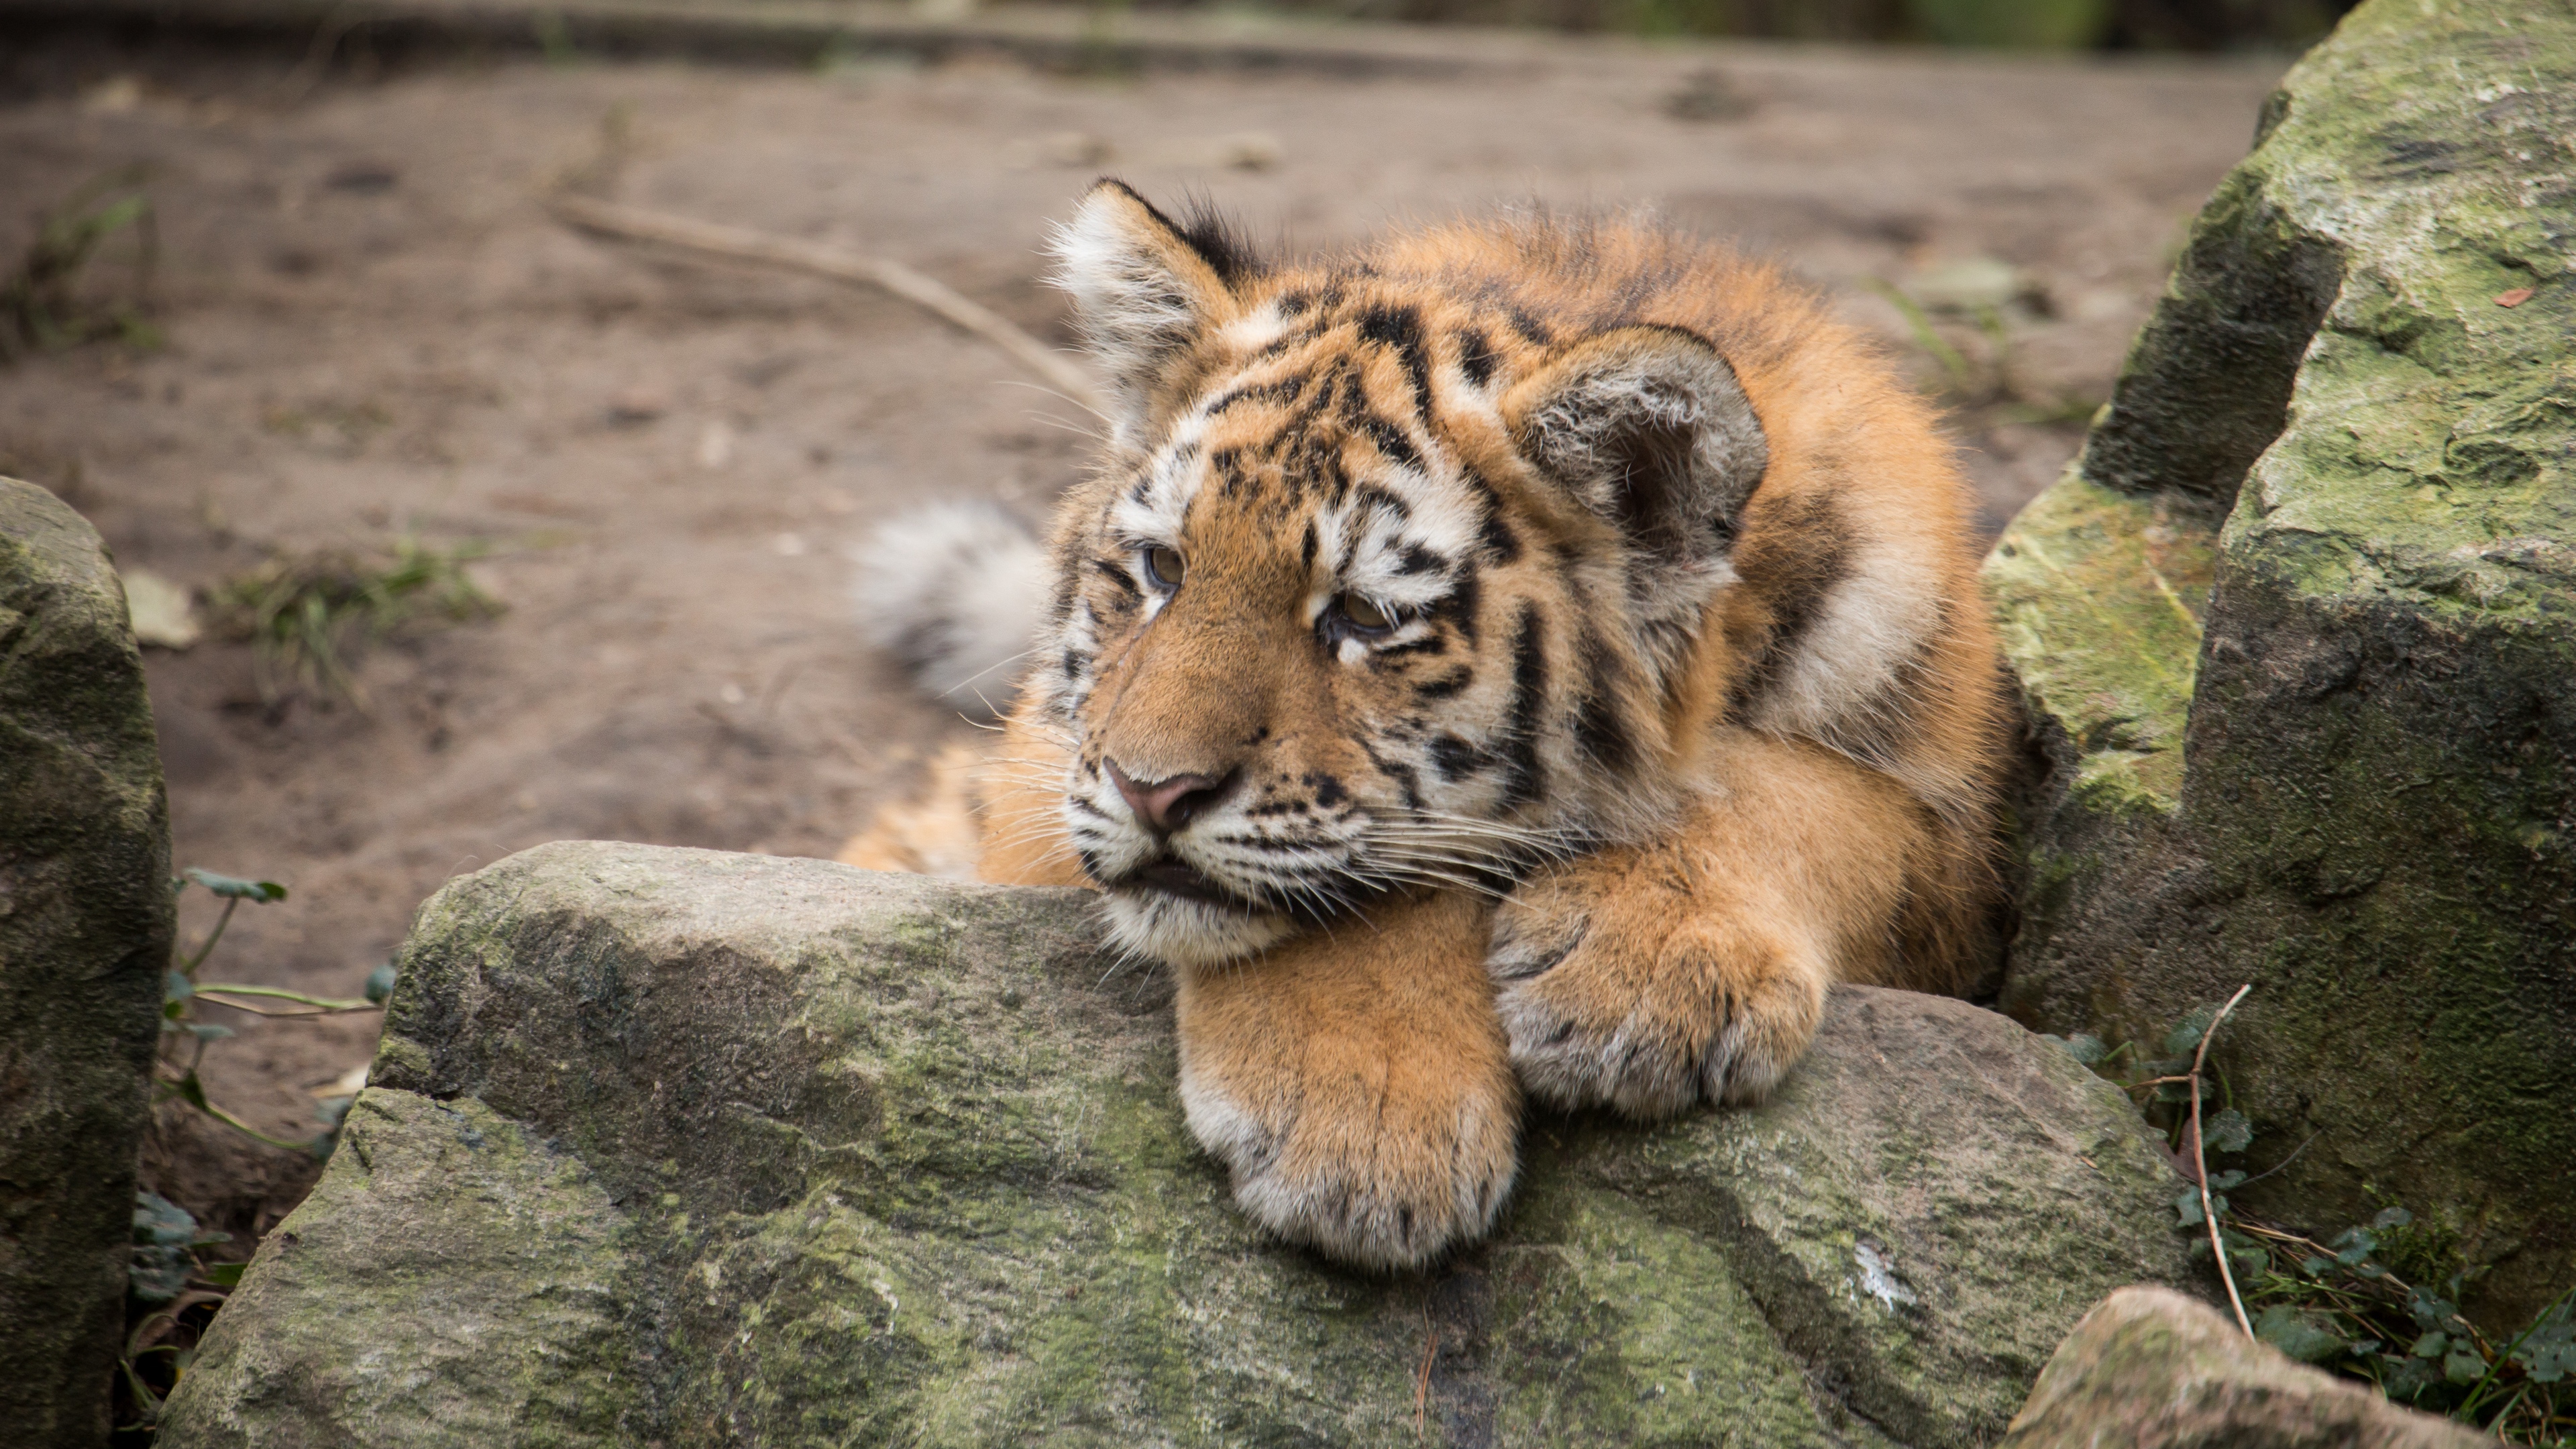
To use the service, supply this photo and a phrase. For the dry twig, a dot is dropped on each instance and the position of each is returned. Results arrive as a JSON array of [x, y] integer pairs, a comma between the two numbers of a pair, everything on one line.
[[1422, 1380], [2200, 1164], [823, 260]]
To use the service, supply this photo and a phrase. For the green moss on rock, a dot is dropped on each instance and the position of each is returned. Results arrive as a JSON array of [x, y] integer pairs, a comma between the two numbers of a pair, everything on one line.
[[85, 923], [2362, 364], [778, 1152], [2100, 595]]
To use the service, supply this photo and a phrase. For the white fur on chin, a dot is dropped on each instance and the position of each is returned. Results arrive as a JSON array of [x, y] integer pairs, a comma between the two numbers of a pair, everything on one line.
[[1188, 933]]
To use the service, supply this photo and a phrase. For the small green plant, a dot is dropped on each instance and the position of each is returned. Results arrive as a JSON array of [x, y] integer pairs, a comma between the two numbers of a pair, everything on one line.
[[173, 1293], [182, 1034], [307, 617], [2379, 1303], [41, 306]]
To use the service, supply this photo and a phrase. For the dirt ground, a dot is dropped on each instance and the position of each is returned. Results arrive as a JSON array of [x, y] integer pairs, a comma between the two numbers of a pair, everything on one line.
[[374, 328]]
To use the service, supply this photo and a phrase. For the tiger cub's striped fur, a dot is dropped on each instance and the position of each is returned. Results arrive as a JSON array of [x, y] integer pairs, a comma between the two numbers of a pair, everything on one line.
[[1534, 654]]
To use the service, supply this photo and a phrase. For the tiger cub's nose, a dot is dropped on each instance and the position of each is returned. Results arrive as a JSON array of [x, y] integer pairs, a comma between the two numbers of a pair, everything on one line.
[[1166, 805]]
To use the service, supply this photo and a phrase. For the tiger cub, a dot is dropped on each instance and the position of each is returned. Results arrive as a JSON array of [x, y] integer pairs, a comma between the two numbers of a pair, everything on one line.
[[1528, 655]]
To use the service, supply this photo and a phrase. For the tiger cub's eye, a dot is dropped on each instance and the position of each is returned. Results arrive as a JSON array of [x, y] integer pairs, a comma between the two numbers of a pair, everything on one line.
[[1363, 615], [1165, 566]]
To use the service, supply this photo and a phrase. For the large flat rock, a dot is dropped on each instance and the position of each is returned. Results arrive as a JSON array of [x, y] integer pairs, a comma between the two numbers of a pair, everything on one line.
[[85, 923], [2299, 632], [685, 1148]]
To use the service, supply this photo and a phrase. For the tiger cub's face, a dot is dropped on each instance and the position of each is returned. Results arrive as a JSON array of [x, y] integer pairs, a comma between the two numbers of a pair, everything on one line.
[[1375, 591]]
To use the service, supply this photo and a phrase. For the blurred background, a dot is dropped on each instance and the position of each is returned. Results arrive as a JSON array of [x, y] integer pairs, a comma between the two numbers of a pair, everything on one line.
[[455, 527]]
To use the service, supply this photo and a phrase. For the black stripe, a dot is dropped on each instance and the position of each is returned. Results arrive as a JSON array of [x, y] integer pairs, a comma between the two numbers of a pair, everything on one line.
[[1598, 727], [1466, 596], [1372, 496], [1476, 356], [1454, 757], [1446, 686], [1801, 555], [1499, 539], [1391, 441], [1406, 781], [1523, 779], [1401, 329], [1117, 576], [1280, 390]]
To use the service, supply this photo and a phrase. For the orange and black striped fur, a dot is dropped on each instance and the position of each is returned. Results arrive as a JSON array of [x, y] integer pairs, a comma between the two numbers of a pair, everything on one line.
[[1533, 655]]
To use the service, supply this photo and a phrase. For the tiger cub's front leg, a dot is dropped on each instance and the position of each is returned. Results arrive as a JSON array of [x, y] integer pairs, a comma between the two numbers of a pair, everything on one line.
[[1356, 1083], [1654, 977]]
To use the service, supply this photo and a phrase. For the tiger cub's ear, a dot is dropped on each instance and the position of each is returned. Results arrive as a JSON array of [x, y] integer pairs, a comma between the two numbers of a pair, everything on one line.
[[1649, 428], [1144, 289]]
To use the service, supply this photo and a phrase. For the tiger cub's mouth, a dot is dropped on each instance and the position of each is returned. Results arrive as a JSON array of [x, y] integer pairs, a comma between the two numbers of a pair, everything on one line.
[[1173, 876]]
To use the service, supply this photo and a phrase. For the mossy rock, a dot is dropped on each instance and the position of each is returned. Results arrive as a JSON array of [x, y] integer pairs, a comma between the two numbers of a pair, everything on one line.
[[2148, 1369], [2299, 636], [85, 923], [686, 1148]]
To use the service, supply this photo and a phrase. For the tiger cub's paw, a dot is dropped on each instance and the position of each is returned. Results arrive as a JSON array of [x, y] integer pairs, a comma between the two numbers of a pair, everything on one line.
[[1620, 988], [1371, 1152]]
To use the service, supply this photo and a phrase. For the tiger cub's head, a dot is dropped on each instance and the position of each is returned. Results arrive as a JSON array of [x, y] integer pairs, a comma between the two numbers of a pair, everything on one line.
[[1384, 582]]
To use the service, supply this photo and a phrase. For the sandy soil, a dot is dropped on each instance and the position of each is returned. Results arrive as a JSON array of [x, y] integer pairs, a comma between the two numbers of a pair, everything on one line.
[[374, 328]]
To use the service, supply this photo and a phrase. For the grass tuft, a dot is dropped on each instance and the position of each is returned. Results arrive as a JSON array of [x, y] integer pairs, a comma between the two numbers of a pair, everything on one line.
[[308, 617], [43, 306]]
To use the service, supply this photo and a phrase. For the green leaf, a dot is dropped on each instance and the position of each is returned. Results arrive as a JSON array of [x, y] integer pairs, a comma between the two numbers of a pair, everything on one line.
[[237, 888], [157, 1271], [2407, 1377], [2187, 1207], [380, 983], [175, 988], [2174, 1092], [2464, 1365], [224, 1275], [2086, 1049], [2295, 1333], [2229, 1131], [2431, 1310], [2354, 1244], [2431, 1345], [2396, 1217], [2316, 1267], [2249, 1261], [2187, 1033], [192, 1091], [2547, 1351], [159, 1220], [208, 1031], [2222, 1181]]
